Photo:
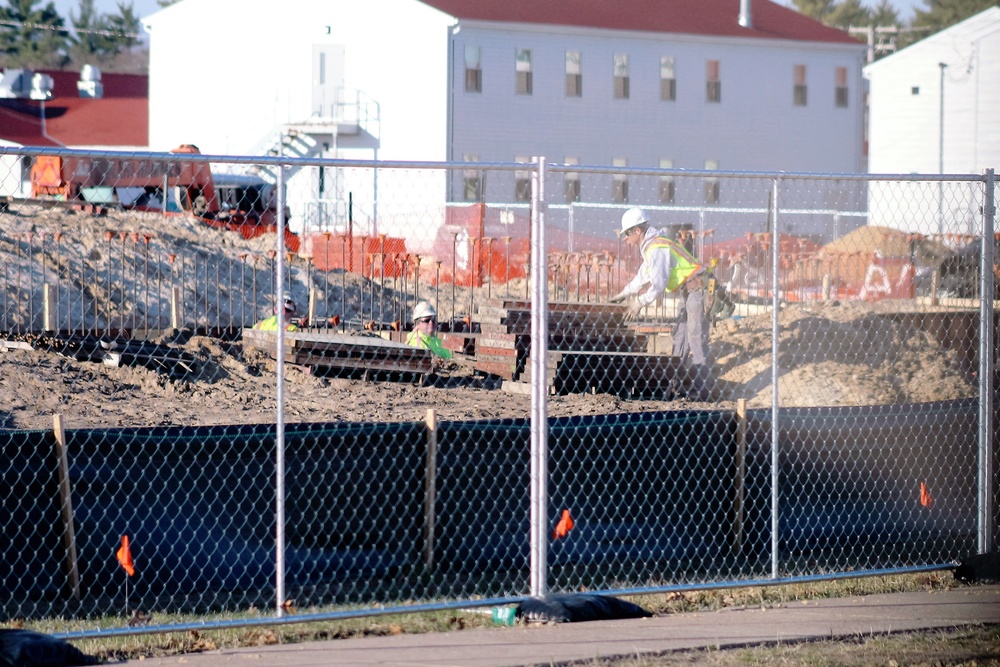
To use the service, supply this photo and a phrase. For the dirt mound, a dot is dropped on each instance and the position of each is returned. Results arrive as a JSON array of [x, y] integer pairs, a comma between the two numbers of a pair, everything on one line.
[[830, 355]]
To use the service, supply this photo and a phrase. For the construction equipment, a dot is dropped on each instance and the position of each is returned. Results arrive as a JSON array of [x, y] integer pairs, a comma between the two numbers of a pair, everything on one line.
[[239, 202]]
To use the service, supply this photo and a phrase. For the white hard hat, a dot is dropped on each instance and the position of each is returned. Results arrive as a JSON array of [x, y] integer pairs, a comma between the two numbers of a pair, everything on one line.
[[423, 310], [633, 217]]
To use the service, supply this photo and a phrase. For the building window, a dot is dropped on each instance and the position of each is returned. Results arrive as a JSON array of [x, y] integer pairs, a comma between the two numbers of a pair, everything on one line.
[[667, 186], [621, 76], [571, 182], [472, 180], [711, 183], [668, 82], [840, 94], [713, 86], [473, 69], [799, 91], [522, 180], [574, 74], [915, 90], [619, 182], [522, 71]]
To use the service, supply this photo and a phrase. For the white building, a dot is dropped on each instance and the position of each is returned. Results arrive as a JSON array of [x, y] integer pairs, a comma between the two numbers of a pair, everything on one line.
[[935, 108], [683, 84]]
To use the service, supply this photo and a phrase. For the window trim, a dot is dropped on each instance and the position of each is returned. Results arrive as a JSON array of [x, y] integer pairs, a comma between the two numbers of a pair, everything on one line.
[[574, 74], [800, 91], [668, 79], [620, 76], [473, 68], [713, 82], [523, 84]]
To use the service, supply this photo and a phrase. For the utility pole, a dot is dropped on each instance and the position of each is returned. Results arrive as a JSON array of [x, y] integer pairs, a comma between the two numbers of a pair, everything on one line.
[[881, 39], [943, 66]]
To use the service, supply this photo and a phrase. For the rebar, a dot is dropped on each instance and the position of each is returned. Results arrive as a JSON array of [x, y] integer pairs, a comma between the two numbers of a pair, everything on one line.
[[56, 238], [343, 284], [107, 295], [381, 271], [145, 282], [31, 282], [253, 260], [506, 266], [437, 285], [416, 279], [473, 279], [123, 236], [454, 272], [489, 266]]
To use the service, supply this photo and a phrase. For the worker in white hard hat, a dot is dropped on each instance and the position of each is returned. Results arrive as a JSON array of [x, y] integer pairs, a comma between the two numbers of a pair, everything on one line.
[[271, 323], [424, 331], [667, 266]]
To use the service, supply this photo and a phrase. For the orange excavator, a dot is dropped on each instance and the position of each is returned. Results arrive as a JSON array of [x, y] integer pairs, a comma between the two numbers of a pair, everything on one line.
[[244, 204]]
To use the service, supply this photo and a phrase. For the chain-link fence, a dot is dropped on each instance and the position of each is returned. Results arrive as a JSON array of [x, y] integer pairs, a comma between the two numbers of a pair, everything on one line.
[[340, 387]]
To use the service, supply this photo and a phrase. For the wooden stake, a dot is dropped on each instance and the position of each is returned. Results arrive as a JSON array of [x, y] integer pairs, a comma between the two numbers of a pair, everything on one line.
[[69, 532], [740, 461], [175, 308], [430, 492]]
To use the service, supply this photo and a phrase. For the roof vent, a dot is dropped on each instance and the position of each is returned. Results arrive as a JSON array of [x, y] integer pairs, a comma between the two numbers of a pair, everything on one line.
[[90, 84], [745, 20], [15, 84], [41, 87]]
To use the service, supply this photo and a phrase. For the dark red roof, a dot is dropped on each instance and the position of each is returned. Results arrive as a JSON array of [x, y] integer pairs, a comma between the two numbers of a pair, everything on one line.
[[120, 118], [115, 85], [693, 17]]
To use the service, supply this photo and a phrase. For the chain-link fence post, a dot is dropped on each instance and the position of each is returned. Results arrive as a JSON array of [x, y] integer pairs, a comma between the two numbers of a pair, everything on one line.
[[279, 441], [775, 373], [539, 382], [987, 397]]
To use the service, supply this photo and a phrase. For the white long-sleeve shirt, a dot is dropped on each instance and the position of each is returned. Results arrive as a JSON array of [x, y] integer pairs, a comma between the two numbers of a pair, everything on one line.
[[654, 273]]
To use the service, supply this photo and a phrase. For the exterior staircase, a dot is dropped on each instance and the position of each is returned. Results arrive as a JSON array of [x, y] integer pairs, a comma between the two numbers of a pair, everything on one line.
[[290, 143]]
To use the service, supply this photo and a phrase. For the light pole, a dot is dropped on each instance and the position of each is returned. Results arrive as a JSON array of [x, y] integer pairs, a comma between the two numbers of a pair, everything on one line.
[[941, 153]]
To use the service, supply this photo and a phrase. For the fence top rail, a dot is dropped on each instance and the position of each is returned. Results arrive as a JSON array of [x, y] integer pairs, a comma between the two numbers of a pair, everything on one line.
[[279, 160]]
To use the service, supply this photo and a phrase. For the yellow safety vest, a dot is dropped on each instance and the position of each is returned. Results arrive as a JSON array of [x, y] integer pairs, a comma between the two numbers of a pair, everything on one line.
[[682, 268], [271, 324], [432, 343]]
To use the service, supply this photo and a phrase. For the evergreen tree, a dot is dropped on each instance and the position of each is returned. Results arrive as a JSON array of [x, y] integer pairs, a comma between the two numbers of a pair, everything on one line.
[[817, 9], [884, 14], [89, 26], [125, 27], [847, 14], [100, 38], [941, 14], [32, 36]]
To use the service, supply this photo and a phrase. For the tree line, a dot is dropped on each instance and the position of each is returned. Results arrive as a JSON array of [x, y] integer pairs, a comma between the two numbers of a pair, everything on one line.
[[34, 35], [853, 16]]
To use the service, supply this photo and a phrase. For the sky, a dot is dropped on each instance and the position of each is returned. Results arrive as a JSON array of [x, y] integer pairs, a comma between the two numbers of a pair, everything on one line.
[[67, 7], [147, 7]]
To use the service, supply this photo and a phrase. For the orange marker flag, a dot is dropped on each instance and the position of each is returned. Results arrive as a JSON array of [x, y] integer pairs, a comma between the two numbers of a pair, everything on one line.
[[925, 496], [564, 526], [124, 555]]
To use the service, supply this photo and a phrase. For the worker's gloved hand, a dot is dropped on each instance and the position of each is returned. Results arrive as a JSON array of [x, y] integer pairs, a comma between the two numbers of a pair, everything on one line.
[[618, 298], [634, 308]]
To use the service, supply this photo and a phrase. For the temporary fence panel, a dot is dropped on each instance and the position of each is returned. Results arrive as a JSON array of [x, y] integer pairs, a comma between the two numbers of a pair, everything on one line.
[[530, 434]]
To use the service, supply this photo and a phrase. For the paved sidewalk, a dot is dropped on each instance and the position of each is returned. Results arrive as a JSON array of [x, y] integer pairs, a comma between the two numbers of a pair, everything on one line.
[[545, 644]]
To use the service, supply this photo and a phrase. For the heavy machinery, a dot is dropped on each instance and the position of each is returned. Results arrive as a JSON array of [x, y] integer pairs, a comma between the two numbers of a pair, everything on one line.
[[239, 202]]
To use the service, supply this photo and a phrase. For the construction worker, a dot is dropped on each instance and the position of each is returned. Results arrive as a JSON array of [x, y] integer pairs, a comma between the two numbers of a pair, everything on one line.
[[423, 334], [271, 323], [667, 266]]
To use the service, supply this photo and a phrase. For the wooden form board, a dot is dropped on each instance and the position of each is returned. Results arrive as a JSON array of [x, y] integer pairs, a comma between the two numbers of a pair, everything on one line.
[[344, 351]]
